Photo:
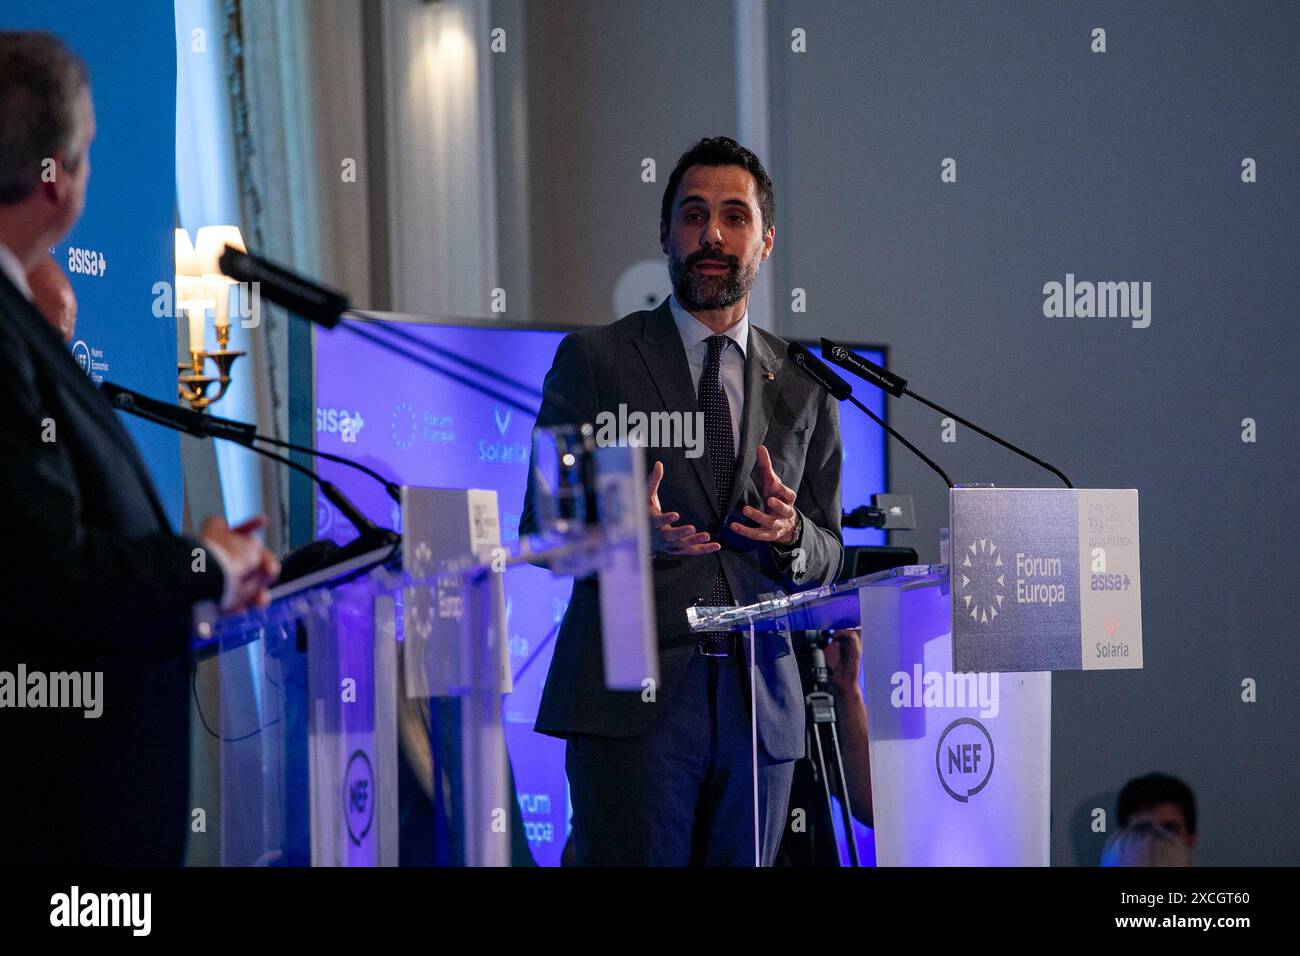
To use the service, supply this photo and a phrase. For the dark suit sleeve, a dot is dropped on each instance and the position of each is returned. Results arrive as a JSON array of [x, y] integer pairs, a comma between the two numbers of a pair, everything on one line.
[[66, 585], [569, 397], [817, 556]]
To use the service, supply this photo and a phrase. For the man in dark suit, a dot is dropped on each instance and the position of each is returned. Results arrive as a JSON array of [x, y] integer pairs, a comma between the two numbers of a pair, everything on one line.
[[94, 584], [666, 777]]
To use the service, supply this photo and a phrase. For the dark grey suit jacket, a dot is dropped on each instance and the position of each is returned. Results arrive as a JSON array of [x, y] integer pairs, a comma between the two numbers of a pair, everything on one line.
[[639, 361]]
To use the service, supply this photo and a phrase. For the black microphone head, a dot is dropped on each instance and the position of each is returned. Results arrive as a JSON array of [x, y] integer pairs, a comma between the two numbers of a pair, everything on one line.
[[865, 369], [819, 371], [302, 297]]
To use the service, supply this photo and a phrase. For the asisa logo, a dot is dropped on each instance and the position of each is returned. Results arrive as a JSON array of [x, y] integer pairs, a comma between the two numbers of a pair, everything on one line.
[[339, 421]]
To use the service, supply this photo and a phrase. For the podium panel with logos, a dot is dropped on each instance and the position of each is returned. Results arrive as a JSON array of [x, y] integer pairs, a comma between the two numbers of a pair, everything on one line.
[[957, 661]]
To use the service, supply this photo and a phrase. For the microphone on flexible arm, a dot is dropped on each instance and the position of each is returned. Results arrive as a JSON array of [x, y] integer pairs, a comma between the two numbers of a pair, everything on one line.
[[301, 297], [896, 385], [840, 390], [175, 416], [203, 425], [329, 309]]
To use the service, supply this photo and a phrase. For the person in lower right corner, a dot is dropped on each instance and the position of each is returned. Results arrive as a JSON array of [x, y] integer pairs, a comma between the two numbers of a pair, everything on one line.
[[1163, 800], [1157, 820], [1145, 844]]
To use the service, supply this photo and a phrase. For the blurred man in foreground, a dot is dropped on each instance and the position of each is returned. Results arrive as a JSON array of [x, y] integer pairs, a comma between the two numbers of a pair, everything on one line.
[[96, 587]]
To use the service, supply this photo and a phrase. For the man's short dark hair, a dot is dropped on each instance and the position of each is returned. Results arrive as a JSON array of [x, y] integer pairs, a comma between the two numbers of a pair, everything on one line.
[[1142, 793], [41, 81], [721, 151]]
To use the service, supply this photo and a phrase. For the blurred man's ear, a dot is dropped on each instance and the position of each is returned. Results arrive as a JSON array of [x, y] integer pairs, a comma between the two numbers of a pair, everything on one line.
[[54, 188], [61, 191], [663, 236]]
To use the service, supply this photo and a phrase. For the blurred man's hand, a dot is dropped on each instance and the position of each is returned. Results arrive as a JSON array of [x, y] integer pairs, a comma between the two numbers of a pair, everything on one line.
[[53, 297], [251, 569], [844, 658]]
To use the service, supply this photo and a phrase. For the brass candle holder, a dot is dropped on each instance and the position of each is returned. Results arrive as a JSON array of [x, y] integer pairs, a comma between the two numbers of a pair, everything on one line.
[[193, 385]]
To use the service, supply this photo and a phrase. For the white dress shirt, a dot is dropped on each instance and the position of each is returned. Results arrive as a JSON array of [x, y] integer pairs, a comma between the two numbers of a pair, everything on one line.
[[731, 366], [14, 271]]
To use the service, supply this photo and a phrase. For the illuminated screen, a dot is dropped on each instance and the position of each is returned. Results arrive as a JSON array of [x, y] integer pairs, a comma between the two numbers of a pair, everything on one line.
[[418, 425]]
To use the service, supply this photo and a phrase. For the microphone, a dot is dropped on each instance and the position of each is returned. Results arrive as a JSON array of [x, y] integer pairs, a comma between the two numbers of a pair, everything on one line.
[[175, 416], [820, 372], [897, 386], [882, 378], [204, 426], [300, 296], [840, 390], [328, 309]]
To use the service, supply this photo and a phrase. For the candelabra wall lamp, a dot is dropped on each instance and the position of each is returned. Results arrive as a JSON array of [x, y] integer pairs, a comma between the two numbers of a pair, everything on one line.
[[202, 289]]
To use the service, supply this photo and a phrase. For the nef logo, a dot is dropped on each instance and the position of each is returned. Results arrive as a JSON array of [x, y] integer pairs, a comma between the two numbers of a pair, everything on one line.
[[964, 758], [81, 352], [359, 797]]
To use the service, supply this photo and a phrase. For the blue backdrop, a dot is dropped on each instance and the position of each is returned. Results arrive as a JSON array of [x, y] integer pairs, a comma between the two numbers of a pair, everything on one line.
[[123, 243]]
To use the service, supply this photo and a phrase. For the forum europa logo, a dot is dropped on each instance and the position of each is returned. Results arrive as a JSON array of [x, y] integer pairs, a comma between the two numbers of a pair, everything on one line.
[[982, 580]]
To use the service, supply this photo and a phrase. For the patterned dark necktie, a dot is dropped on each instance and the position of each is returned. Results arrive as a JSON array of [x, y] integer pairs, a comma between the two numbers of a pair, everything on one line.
[[722, 456]]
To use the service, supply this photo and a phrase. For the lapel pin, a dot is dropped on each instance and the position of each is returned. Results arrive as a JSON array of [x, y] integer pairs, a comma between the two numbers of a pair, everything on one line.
[[771, 376]]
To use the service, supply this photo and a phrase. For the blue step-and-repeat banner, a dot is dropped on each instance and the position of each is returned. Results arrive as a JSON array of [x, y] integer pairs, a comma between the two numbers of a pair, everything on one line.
[[122, 245]]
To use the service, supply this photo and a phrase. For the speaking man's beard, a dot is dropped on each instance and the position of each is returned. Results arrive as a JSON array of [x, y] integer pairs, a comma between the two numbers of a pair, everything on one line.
[[702, 293]]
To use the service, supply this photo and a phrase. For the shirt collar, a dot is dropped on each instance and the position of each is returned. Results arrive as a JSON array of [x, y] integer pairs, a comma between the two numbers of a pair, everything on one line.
[[14, 271], [693, 331]]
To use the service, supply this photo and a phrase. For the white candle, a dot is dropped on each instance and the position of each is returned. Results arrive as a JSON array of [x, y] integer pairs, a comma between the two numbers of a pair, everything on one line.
[[198, 314], [217, 287]]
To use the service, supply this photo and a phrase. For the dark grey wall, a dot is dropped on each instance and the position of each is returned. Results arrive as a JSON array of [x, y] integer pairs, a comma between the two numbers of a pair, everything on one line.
[[1122, 165]]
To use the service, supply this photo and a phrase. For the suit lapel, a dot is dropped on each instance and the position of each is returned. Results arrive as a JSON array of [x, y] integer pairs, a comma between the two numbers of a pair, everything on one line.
[[664, 355], [761, 366]]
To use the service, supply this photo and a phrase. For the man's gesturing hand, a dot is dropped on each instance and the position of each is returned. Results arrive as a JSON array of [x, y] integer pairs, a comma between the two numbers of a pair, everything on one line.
[[666, 538], [778, 522]]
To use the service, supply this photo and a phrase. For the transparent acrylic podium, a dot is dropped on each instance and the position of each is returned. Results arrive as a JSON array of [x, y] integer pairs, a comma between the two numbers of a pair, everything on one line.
[[314, 691], [960, 762], [307, 726], [311, 690]]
